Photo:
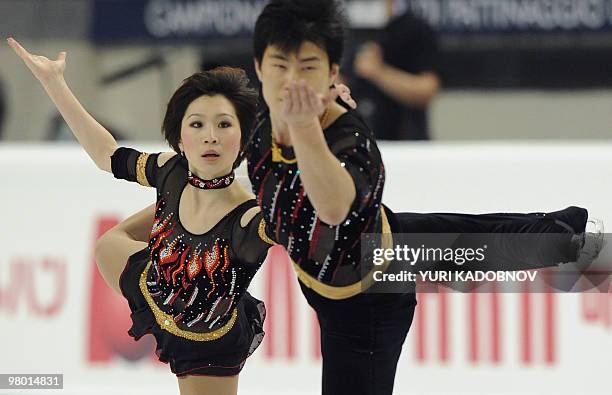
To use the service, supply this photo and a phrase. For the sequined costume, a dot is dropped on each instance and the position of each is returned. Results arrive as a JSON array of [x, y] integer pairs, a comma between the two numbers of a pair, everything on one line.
[[329, 254], [367, 329], [189, 290], [330, 257], [361, 333]]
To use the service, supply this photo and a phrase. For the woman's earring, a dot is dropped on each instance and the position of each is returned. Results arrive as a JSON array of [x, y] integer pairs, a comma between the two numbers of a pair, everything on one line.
[[183, 154]]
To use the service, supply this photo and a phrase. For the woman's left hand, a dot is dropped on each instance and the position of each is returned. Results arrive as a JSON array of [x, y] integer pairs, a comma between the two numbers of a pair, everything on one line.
[[345, 94]]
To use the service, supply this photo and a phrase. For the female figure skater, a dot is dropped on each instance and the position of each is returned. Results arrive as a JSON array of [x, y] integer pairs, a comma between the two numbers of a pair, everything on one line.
[[186, 285]]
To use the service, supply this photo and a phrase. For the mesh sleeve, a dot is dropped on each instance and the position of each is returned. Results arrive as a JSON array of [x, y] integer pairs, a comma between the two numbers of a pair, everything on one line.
[[359, 155], [251, 243], [132, 165]]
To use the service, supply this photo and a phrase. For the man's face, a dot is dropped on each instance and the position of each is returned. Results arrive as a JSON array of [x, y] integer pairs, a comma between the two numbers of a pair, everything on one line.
[[278, 68]]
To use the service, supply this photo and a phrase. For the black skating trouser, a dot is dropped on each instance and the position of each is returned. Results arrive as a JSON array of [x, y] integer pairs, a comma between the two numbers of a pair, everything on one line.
[[543, 239], [362, 336]]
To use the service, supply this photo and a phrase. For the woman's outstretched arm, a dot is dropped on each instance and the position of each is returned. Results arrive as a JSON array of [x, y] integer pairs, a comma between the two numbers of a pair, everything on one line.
[[95, 139]]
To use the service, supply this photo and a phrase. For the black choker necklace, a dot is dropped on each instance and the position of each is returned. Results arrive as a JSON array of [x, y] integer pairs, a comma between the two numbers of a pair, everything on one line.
[[215, 183]]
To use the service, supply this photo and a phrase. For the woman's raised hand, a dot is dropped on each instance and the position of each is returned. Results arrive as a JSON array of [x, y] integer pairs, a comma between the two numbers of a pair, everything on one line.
[[95, 139], [44, 69]]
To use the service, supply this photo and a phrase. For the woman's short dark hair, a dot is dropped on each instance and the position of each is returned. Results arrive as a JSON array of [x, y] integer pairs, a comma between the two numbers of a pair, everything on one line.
[[230, 82], [289, 23]]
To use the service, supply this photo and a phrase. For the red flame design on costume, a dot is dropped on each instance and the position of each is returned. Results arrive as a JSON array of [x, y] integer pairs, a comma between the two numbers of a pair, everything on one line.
[[169, 253], [159, 225], [211, 262], [194, 266], [161, 237], [168, 256], [181, 265], [226, 259]]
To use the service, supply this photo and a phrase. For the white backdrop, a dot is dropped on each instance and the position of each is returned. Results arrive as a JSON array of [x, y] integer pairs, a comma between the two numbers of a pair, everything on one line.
[[56, 316]]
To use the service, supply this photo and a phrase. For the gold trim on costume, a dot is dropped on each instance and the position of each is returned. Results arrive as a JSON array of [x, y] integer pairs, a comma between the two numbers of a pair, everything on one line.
[[344, 292], [262, 233], [166, 321], [141, 165], [277, 153]]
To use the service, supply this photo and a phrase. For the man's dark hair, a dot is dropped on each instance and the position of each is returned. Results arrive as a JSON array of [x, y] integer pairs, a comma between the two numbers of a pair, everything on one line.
[[232, 83], [289, 23]]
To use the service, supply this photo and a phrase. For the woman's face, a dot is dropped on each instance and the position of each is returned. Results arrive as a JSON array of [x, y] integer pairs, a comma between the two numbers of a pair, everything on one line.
[[210, 136], [279, 68]]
